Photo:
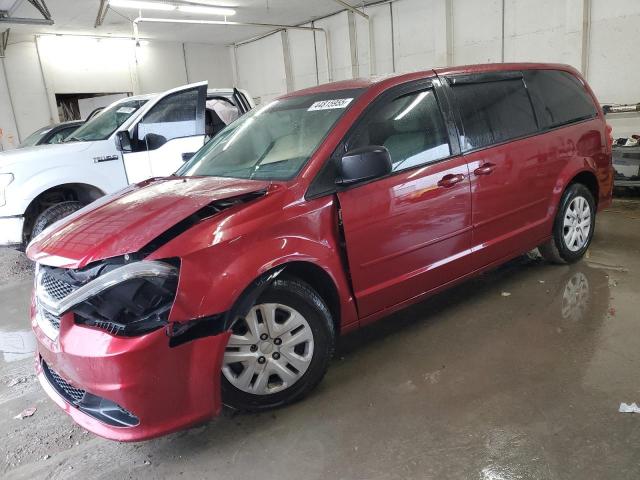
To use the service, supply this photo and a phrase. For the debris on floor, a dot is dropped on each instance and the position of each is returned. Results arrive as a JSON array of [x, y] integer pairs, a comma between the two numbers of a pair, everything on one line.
[[27, 412], [506, 294], [629, 408], [19, 380]]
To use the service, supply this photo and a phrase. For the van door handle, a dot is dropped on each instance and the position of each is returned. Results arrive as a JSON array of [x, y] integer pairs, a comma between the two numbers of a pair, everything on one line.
[[485, 169], [450, 180]]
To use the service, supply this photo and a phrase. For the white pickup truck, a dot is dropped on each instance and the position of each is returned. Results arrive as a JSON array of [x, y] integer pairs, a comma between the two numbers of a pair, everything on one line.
[[133, 139]]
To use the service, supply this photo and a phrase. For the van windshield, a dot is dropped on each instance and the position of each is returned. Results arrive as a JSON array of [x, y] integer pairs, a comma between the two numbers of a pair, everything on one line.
[[106, 122], [274, 141]]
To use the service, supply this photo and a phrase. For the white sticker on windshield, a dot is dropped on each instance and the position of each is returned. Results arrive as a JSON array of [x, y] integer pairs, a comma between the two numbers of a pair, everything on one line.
[[126, 110], [330, 104]]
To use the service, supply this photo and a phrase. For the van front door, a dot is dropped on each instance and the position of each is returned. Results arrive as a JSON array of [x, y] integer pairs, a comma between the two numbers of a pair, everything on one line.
[[410, 232], [173, 126]]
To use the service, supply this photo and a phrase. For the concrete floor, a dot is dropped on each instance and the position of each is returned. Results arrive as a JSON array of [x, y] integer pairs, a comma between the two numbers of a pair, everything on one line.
[[473, 383]]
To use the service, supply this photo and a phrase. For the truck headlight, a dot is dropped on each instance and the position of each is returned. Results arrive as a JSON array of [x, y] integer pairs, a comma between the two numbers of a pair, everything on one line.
[[5, 180]]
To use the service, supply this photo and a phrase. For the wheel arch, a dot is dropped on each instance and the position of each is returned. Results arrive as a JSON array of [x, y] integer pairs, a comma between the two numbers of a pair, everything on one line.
[[315, 276], [81, 192], [589, 180]]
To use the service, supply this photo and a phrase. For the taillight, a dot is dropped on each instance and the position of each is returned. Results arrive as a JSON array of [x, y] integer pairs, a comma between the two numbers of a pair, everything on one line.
[[610, 134]]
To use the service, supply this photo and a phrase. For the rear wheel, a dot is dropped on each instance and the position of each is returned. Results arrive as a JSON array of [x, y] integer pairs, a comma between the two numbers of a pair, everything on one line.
[[573, 227], [280, 350], [52, 214]]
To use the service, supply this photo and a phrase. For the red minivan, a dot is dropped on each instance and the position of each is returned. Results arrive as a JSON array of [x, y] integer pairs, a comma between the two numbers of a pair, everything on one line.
[[308, 217]]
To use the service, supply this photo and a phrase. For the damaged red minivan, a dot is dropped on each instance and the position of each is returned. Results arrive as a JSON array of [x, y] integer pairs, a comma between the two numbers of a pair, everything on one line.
[[308, 217]]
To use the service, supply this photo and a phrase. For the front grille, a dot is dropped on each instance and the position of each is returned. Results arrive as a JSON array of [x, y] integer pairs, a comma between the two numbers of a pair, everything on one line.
[[56, 288], [54, 320], [99, 408], [64, 388]]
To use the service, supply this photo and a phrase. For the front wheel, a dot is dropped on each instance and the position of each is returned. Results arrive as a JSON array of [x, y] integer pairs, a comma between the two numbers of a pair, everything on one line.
[[573, 227], [280, 350]]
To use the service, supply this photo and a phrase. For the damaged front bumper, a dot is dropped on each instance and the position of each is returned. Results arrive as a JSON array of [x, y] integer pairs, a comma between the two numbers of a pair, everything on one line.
[[110, 358], [160, 388]]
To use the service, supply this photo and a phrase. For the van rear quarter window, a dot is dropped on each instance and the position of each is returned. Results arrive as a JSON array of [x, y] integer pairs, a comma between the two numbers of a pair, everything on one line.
[[558, 97], [493, 112]]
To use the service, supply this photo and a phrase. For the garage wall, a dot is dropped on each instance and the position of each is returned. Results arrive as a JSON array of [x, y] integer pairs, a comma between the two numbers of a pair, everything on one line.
[[260, 68], [39, 68], [26, 86], [8, 127], [597, 37]]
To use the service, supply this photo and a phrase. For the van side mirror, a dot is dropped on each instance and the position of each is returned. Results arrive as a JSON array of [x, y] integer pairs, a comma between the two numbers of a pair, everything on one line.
[[123, 141], [363, 164]]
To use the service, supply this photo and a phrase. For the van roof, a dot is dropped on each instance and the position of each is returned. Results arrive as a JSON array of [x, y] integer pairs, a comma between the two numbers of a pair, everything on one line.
[[396, 78]]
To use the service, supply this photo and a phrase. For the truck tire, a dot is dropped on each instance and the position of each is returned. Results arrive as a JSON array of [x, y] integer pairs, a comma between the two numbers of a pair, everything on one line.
[[52, 214]]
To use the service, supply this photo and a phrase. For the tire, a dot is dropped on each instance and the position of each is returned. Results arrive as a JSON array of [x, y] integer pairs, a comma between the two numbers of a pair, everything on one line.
[[576, 205], [52, 214], [253, 386]]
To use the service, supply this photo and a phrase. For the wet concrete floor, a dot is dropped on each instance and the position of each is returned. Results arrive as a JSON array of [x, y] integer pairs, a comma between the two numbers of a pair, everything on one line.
[[517, 374]]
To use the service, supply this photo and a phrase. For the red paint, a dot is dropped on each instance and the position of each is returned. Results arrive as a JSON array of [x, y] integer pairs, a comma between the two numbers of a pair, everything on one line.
[[407, 236]]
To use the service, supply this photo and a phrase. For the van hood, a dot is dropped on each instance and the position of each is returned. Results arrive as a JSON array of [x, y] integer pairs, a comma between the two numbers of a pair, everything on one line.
[[41, 152], [130, 219]]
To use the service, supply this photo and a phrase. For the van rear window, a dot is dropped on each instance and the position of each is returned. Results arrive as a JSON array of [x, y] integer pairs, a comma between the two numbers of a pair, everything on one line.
[[493, 112], [558, 97]]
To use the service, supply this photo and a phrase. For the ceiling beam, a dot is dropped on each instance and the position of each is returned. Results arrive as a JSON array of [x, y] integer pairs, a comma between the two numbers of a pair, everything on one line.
[[26, 21], [4, 41], [102, 12], [6, 16], [41, 7]]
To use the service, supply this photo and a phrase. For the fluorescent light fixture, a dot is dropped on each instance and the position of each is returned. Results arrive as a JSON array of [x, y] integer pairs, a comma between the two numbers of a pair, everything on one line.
[[226, 12], [141, 5], [413, 104]]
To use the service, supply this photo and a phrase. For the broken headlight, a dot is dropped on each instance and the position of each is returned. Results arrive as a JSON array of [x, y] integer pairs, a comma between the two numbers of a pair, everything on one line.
[[136, 305]]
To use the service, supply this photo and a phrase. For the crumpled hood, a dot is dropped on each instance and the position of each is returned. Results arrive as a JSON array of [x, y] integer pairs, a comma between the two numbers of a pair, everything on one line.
[[127, 220], [41, 153]]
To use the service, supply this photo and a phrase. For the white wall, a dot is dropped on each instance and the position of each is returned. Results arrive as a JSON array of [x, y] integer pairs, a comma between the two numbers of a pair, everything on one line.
[[260, 68], [38, 68], [209, 62], [408, 35], [411, 35], [8, 127], [26, 84]]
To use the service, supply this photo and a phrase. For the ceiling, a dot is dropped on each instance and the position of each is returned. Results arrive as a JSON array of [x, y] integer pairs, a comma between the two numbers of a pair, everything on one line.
[[78, 17]]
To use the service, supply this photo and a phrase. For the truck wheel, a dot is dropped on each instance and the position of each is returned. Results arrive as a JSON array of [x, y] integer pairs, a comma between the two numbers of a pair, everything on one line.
[[52, 214], [280, 350], [573, 227]]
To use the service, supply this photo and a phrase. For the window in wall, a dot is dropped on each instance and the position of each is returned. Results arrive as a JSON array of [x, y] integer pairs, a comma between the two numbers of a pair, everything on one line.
[[559, 98], [493, 112], [410, 127]]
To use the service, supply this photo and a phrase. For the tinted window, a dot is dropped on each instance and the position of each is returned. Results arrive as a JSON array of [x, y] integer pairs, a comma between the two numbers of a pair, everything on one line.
[[559, 97], [410, 127], [175, 116], [493, 112]]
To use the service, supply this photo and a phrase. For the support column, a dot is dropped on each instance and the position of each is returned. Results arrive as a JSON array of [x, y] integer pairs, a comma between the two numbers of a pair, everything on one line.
[[443, 11], [286, 55], [353, 45], [9, 137]]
